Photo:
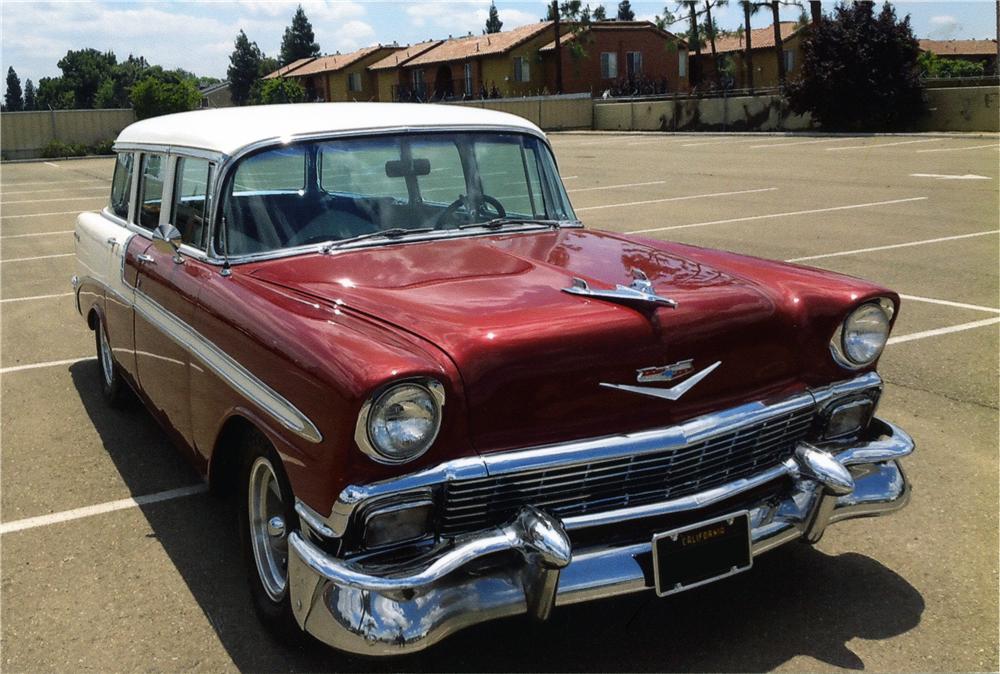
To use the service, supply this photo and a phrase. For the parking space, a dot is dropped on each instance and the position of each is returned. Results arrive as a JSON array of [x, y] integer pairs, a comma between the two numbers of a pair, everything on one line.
[[92, 581]]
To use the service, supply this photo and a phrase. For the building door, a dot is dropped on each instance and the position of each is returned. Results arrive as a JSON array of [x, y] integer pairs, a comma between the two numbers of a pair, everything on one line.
[[444, 87]]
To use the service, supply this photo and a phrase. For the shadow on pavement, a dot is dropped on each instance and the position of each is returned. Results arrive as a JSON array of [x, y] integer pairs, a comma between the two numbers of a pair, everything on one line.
[[795, 601]]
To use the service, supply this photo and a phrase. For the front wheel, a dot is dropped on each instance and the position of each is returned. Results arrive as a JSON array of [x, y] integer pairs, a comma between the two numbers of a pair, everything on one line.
[[265, 517], [111, 381]]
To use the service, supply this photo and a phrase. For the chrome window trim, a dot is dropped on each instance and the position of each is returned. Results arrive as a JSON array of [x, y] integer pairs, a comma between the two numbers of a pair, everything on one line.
[[584, 451], [227, 163]]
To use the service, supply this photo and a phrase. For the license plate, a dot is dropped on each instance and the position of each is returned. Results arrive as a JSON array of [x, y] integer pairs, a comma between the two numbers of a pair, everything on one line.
[[701, 553]]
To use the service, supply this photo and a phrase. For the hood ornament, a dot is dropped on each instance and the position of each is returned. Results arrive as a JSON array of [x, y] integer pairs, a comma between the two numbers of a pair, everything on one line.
[[673, 393], [639, 292]]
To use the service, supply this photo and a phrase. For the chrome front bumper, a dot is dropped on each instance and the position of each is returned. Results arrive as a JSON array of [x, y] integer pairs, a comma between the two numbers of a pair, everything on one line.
[[388, 611]]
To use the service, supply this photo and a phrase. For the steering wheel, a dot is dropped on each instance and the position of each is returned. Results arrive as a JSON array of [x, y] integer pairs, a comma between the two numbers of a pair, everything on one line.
[[452, 209]]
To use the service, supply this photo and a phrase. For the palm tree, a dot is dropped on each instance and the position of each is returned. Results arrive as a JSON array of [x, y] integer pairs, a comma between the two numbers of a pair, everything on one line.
[[779, 51], [710, 31], [693, 37], [749, 9]]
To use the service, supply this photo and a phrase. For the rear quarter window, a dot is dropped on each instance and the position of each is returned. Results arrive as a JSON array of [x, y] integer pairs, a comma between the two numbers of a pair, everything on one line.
[[121, 185]]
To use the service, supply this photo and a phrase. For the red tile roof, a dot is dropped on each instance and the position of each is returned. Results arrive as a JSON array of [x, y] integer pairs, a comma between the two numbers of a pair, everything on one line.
[[284, 70], [960, 47], [612, 26], [459, 49], [760, 38], [400, 57], [334, 62]]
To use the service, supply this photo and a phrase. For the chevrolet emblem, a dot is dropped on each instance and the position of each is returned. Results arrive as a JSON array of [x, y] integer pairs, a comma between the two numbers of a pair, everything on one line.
[[664, 372]]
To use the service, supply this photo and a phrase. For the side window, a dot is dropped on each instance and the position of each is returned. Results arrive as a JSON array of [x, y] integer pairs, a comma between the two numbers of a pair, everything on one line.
[[121, 185], [189, 212], [151, 190]]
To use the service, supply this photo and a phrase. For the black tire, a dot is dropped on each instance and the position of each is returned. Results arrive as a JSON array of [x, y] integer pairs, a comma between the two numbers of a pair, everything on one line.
[[112, 386], [273, 609]]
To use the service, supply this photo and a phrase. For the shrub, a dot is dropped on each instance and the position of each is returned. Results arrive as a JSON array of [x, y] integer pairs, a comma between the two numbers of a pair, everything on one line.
[[280, 90], [102, 147], [859, 71], [152, 97], [57, 148], [932, 65]]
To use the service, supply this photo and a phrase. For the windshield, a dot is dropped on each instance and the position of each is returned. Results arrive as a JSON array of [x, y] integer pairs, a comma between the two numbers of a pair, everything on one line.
[[333, 190]]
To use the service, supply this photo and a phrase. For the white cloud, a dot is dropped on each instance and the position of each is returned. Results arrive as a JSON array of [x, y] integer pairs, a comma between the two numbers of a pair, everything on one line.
[[459, 18], [944, 26]]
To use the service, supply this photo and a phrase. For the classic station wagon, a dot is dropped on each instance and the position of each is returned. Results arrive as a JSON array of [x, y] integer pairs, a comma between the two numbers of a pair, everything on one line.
[[437, 399]]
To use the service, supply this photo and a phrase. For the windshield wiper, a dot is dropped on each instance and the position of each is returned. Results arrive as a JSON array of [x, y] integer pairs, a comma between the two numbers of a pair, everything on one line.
[[497, 223], [393, 233]]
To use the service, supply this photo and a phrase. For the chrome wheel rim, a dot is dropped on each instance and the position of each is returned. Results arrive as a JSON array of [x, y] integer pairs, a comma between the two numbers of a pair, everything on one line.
[[268, 537], [107, 362]]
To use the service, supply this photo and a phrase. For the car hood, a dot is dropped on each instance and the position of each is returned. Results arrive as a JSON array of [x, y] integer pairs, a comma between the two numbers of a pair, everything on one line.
[[533, 358]]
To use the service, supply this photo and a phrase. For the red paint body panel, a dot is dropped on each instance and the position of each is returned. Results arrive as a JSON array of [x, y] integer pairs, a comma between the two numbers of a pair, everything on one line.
[[531, 358]]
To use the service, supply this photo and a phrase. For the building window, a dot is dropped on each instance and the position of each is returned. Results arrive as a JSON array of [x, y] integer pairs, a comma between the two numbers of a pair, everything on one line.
[[682, 63], [468, 78], [354, 82], [522, 70], [609, 65], [789, 60], [419, 83], [633, 64]]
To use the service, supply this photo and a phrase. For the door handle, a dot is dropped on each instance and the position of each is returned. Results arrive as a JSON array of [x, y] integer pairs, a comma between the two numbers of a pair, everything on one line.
[[147, 259], [112, 241]]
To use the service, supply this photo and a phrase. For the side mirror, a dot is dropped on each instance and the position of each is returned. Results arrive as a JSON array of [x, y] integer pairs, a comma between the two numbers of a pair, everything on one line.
[[167, 239]]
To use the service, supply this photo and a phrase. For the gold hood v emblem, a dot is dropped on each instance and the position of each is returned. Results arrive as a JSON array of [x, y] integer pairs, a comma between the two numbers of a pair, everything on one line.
[[672, 393]]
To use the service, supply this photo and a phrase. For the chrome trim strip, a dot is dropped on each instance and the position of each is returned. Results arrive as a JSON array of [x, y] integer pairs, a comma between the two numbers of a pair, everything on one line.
[[586, 451], [237, 376]]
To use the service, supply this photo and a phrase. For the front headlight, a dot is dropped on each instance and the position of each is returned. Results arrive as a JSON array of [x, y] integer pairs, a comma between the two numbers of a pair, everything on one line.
[[863, 335], [402, 422]]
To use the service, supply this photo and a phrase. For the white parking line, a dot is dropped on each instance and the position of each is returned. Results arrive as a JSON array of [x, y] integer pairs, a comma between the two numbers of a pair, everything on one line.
[[659, 201], [570, 177], [922, 242], [45, 201], [39, 215], [24, 236], [720, 142], [776, 215], [995, 146], [943, 331], [53, 182], [51, 363], [35, 297], [611, 187], [874, 146], [37, 257], [53, 189], [950, 176], [48, 163], [101, 508], [949, 303], [802, 142]]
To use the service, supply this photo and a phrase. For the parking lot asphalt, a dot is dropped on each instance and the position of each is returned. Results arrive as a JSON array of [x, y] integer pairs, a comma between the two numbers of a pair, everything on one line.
[[159, 585]]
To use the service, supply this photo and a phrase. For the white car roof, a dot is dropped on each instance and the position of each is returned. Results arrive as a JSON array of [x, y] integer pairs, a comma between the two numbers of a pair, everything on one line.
[[228, 130]]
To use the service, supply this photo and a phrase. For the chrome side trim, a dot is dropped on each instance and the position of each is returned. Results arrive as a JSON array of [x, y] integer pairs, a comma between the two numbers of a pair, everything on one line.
[[586, 451], [237, 376]]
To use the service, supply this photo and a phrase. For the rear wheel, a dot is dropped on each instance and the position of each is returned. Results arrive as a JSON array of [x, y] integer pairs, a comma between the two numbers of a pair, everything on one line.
[[266, 515], [112, 387]]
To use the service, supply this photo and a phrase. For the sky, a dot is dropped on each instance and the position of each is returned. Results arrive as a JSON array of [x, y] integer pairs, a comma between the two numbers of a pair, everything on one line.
[[198, 35]]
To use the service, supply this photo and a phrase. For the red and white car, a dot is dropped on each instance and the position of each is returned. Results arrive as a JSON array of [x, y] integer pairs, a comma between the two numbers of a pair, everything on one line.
[[438, 399]]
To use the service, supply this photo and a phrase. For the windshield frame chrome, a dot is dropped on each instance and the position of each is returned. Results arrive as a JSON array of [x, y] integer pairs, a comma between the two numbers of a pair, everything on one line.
[[228, 163]]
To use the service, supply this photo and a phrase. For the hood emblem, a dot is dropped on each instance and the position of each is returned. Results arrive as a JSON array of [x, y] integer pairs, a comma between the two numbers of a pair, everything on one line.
[[664, 372], [640, 292], [672, 393]]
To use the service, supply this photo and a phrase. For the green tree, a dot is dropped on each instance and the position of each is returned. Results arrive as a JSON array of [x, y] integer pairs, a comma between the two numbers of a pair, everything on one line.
[[859, 71], [600, 14], [711, 31], [29, 95], [932, 65], [116, 91], [280, 90], [625, 12], [244, 68], [54, 93], [13, 98], [299, 42], [83, 72], [493, 22], [152, 97]]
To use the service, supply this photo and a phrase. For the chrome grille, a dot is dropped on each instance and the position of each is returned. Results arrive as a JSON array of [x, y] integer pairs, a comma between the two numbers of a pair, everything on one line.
[[626, 481]]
